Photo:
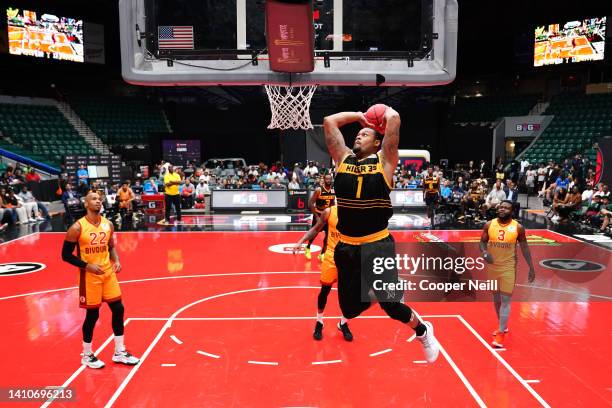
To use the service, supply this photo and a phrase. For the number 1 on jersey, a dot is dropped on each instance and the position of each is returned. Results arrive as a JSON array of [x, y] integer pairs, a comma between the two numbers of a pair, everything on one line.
[[359, 183]]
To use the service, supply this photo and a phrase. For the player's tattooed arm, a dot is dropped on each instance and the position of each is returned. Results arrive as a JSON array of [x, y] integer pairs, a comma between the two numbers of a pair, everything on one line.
[[390, 143], [333, 137]]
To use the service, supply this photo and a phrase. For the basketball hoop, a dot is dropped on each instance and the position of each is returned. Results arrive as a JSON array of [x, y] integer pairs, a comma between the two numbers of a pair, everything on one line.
[[290, 106]]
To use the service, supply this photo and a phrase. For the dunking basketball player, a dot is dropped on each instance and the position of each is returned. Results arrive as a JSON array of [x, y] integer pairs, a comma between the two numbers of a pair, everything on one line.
[[323, 197], [329, 274], [363, 187], [498, 247], [98, 265]]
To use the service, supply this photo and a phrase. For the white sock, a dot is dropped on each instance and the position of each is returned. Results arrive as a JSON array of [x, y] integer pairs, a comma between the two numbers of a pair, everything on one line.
[[86, 348], [119, 344], [343, 320], [319, 317]]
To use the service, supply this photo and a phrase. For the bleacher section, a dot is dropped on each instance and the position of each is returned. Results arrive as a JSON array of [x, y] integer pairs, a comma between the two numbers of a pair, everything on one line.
[[579, 120], [120, 120], [40, 132], [491, 108]]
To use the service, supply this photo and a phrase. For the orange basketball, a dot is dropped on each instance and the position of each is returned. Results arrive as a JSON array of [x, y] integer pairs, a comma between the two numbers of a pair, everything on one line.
[[375, 114]]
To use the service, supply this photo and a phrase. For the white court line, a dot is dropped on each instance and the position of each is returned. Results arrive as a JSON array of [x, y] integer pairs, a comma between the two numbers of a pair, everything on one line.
[[187, 319], [175, 339], [420, 362], [168, 324], [82, 367], [378, 353], [207, 354], [532, 381], [169, 277], [505, 363], [326, 362], [19, 238], [580, 240], [272, 363], [168, 365], [499, 349], [462, 377], [414, 335]]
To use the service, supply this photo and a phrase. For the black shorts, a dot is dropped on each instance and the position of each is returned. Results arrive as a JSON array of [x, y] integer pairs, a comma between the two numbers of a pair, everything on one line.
[[431, 199], [356, 276]]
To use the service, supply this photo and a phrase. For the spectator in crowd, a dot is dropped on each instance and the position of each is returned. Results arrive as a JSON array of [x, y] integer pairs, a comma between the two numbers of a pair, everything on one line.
[[202, 188], [605, 213], [150, 186], [571, 203], [8, 206], [27, 197], [482, 167], [298, 173], [542, 173], [24, 213], [562, 181], [446, 191], [188, 194], [511, 191], [32, 176], [293, 184], [125, 197], [495, 196], [461, 185], [499, 172], [524, 166], [172, 181], [602, 190], [311, 170], [530, 180], [137, 187], [558, 199], [82, 174], [276, 185], [67, 195], [82, 188], [587, 194]]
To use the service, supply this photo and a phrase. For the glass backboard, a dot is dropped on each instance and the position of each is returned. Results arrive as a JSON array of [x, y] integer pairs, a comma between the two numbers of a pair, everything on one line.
[[357, 42]]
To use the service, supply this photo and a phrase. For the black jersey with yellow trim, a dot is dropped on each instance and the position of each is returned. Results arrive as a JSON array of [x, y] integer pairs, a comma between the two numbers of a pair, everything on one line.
[[363, 196], [431, 184], [326, 199]]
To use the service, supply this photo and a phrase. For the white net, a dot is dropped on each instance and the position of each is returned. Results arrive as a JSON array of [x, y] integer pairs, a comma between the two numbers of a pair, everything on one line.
[[290, 106]]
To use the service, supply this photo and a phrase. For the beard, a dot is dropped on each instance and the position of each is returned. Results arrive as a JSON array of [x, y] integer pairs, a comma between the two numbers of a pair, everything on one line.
[[504, 217], [356, 149]]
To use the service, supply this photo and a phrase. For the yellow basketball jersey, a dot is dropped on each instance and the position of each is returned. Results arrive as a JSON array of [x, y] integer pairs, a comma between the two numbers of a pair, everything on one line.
[[332, 232], [93, 243], [502, 243]]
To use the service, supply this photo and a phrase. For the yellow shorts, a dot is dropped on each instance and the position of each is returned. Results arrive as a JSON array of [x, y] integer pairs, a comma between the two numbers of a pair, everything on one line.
[[505, 278], [329, 273], [95, 289]]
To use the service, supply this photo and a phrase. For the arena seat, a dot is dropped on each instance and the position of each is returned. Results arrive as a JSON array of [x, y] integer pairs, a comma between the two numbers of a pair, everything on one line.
[[491, 108], [579, 120], [120, 120], [40, 132]]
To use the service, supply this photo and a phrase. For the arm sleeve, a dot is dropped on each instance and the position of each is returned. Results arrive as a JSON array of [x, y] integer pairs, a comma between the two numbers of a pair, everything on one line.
[[68, 255]]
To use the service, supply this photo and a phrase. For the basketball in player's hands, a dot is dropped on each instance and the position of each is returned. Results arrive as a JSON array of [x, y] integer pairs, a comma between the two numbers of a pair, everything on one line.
[[375, 115]]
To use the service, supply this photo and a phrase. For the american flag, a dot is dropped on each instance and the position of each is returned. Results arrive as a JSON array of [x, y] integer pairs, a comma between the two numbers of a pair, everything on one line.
[[175, 37]]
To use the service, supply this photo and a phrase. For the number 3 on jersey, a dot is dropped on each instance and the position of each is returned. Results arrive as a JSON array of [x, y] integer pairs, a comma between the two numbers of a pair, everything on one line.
[[501, 235], [359, 183]]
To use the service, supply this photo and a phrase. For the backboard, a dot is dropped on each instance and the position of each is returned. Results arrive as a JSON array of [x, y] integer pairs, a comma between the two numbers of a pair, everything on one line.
[[357, 42]]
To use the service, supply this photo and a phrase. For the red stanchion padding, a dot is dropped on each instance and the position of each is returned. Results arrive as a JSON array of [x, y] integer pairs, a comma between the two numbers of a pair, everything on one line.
[[290, 35]]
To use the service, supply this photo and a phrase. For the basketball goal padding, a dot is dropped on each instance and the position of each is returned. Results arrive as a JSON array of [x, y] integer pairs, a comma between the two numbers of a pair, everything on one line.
[[290, 36]]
